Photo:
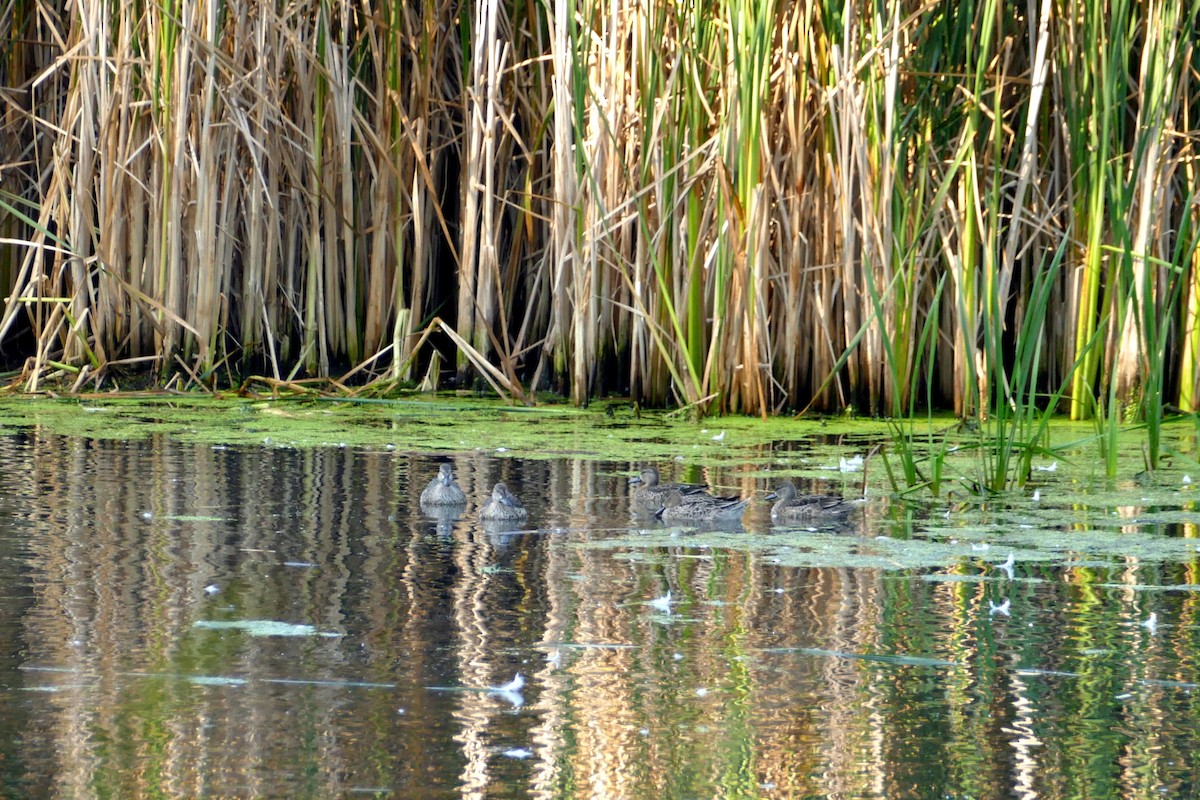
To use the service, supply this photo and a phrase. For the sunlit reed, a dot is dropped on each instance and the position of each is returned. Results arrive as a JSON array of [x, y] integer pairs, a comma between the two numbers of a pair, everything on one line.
[[750, 207]]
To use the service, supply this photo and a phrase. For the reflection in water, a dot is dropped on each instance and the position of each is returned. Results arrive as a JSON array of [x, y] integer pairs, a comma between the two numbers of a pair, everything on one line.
[[352, 642]]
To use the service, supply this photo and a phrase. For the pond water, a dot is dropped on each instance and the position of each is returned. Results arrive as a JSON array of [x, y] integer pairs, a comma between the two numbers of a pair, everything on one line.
[[184, 620]]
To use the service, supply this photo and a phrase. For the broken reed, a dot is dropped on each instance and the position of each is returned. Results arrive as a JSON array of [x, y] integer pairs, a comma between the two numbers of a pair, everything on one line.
[[743, 206]]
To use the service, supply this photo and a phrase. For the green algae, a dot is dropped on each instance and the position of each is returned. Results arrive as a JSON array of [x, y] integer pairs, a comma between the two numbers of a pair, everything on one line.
[[194, 518], [215, 680], [962, 545], [1067, 514], [261, 627], [929, 551], [452, 424], [780, 447], [816, 548]]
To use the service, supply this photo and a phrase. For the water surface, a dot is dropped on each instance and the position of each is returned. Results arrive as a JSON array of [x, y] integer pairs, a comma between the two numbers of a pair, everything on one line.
[[185, 620]]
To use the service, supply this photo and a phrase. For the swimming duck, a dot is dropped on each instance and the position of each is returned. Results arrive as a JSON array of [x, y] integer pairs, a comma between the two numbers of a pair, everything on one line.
[[504, 506], [443, 490], [790, 505], [676, 508], [650, 493]]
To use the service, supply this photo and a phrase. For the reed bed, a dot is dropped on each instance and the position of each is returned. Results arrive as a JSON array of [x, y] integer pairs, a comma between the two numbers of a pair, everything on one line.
[[739, 207]]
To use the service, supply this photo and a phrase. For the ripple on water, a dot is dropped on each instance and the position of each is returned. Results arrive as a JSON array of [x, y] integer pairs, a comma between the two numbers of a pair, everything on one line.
[[355, 644]]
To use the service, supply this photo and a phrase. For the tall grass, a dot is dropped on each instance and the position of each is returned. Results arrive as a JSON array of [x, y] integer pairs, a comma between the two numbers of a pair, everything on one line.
[[739, 206]]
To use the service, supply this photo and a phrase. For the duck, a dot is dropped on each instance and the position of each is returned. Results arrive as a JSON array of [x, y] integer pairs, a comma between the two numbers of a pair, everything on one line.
[[676, 508], [650, 493], [791, 505], [503, 507], [443, 490]]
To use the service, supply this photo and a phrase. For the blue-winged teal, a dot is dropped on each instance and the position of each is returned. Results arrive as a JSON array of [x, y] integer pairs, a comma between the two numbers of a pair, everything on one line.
[[443, 490], [504, 506], [650, 494], [791, 506], [676, 508]]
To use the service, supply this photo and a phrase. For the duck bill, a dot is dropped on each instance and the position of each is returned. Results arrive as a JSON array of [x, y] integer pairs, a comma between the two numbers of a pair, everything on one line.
[[772, 496]]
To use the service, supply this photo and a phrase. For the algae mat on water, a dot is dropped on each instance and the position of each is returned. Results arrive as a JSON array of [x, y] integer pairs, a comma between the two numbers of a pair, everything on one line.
[[441, 424], [809, 447], [1080, 517]]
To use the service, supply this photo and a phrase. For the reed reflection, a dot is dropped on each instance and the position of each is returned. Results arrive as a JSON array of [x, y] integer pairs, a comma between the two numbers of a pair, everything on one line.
[[408, 626]]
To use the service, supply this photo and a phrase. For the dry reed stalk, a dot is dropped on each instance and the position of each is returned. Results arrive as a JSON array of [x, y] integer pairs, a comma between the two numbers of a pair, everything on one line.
[[842, 122], [878, 284], [343, 263], [426, 123], [739, 213], [204, 247], [1151, 172], [478, 265], [1189, 351], [561, 231], [384, 284]]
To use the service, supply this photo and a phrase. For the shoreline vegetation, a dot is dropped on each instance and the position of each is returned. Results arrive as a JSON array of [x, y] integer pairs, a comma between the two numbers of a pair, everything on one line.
[[748, 207]]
